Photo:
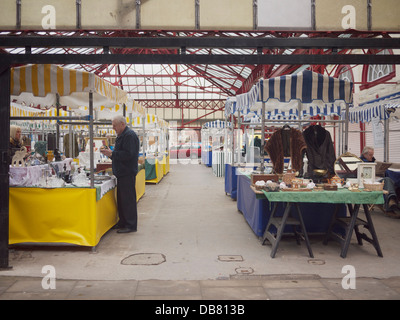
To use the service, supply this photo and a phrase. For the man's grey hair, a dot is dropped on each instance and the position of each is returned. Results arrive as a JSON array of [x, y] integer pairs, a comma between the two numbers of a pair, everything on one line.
[[366, 150], [120, 119]]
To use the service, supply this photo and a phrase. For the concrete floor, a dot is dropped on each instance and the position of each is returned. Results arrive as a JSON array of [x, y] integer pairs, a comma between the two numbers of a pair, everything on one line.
[[190, 230]]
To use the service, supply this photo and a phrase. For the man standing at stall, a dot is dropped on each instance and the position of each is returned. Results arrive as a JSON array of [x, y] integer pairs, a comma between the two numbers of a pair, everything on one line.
[[125, 167]]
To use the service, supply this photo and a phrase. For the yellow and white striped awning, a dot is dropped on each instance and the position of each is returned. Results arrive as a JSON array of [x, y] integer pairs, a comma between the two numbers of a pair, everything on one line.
[[135, 108], [163, 124], [17, 110], [62, 113], [149, 120], [43, 80], [132, 107]]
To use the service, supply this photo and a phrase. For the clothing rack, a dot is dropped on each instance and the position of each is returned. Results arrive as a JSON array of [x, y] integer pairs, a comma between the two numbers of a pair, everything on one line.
[[299, 121]]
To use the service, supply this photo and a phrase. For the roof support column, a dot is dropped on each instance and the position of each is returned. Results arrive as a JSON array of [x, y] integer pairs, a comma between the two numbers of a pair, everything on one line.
[[5, 77]]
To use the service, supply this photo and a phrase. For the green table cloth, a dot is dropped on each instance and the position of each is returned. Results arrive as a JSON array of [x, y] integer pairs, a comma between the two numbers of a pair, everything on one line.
[[339, 196]]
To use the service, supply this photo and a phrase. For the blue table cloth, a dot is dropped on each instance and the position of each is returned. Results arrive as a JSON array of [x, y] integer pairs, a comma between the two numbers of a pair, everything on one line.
[[206, 157], [231, 180]]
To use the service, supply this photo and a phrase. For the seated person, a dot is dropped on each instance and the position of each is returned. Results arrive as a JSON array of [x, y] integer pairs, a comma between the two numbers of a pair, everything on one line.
[[15, 141], [392, 208]]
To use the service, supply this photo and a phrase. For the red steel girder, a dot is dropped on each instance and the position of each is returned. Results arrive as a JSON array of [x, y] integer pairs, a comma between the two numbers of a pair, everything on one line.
[[188, 104]]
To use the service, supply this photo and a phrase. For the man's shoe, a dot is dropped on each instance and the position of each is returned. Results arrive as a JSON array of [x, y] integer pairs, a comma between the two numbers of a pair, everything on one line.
[[126, 230]]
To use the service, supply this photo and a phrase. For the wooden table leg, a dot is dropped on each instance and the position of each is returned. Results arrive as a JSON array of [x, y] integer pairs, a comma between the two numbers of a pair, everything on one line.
[[280, 223], [270, 220], [303, 228], [349, 229], [353, 223], [331, 225], [371, 228]]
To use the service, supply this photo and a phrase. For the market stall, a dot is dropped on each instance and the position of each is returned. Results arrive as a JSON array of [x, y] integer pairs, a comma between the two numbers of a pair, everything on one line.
[[292, 101], [132, 111], [257, 209], [293, 200], [154, 137], [234, 139], [206, 147], [79, 216], [213, 153], [52, 210]]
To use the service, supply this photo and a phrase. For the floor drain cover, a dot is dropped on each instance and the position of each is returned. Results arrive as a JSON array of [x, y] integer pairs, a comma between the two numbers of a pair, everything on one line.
[[145, 259], [316, 261], [230, 258], [244, 270]]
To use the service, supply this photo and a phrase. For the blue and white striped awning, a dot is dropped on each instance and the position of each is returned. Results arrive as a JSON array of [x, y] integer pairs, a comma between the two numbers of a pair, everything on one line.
[[306, 87], [217, 124], [367, 113], [376, 108], [248, 100], [293, 96], [230, 106]]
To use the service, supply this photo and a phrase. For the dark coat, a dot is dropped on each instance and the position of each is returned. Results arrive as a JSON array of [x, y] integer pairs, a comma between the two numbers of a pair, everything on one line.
[[365, 159], [125, 154], [286, 142], [14, 146], [320, 150]]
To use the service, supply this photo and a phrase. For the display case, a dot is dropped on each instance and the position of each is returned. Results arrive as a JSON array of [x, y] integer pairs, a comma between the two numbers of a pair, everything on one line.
[[365, 171]]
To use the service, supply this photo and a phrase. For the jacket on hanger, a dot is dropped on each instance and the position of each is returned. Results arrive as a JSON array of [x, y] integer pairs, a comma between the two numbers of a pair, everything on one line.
[[286, 142], [320, 150]]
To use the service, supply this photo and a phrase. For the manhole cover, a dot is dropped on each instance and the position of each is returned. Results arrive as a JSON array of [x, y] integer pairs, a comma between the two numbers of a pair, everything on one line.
[[230, 258], [146, 259], [316, 261], [244, 270]]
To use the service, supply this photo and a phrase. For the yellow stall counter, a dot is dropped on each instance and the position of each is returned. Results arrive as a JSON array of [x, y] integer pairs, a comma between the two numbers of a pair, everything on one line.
[[165, 163], [140, 184], [155, 166], [60, 215]]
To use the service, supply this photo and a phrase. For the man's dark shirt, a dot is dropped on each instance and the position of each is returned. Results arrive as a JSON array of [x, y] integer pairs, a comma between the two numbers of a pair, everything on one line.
[[125, 154]]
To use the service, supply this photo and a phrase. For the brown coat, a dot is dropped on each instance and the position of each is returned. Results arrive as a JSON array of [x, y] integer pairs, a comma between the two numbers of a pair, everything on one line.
[[293, 142]]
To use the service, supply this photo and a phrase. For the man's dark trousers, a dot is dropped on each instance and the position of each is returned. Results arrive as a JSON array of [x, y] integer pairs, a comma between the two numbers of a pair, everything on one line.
[[126, 201]]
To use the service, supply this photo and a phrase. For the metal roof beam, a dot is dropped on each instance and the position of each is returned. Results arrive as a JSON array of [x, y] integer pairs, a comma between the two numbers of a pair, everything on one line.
[[199, 42], [322, 59]]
